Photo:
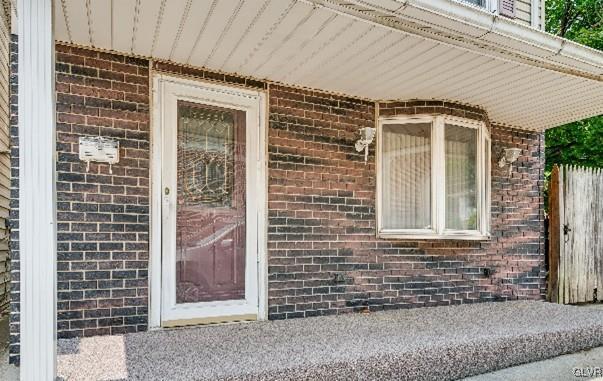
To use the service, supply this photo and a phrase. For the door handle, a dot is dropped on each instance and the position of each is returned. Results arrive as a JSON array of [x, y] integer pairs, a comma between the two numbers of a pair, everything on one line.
[[166, 196]]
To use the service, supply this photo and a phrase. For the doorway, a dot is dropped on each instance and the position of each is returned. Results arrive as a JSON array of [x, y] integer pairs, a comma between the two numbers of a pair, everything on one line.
[[209, 191]]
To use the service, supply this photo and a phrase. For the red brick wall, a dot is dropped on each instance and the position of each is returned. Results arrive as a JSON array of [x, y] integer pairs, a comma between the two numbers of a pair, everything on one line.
[[323, 254]]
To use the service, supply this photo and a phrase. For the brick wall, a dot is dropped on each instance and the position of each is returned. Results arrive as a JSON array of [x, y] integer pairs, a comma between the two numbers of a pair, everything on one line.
[[14, 208], [103, 217], [323, 254], [324, 257]]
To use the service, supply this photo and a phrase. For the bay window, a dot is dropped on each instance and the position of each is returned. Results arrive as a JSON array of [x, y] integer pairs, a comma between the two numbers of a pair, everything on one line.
[[433, 177]]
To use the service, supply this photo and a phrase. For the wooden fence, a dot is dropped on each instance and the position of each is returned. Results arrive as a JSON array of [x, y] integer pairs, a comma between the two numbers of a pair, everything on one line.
[[575, 235]]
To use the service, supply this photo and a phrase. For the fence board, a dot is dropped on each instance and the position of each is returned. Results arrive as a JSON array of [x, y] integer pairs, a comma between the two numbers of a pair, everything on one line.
[[576, 235], [554, 230]]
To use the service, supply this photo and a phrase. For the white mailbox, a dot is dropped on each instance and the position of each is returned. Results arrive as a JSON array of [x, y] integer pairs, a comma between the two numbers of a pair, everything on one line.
[[99, 149]]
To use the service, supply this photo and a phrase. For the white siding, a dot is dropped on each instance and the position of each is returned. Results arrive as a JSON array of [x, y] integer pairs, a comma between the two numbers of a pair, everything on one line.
[[523, 11]]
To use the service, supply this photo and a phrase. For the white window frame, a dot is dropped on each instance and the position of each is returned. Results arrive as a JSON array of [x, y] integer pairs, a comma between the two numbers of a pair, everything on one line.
[[438, 186], [489, 5]]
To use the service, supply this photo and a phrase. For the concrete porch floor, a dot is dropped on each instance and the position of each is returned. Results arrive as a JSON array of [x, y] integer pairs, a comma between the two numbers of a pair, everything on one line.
[[440, 343]]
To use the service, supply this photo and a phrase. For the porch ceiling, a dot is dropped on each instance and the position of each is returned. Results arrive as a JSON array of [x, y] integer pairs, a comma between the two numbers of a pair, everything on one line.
[[376, 49]]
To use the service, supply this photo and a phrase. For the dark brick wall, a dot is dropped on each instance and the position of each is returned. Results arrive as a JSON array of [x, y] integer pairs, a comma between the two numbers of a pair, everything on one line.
[[323, 254], [103, 218], [14, 208]]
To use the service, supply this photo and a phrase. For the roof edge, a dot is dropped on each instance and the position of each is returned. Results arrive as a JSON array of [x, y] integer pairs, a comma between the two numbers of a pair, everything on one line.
[[474, 28]]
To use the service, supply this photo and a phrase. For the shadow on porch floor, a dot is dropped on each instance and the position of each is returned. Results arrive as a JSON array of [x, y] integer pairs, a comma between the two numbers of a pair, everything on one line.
[[440, 343]]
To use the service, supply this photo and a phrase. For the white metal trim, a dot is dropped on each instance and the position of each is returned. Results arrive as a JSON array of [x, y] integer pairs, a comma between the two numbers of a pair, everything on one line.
[[262, 197], [155, 217], [487, 211], [438, 173], [456, 237], [37, 193]]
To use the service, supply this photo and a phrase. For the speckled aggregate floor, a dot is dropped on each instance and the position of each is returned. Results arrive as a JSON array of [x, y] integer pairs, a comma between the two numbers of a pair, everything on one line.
[[441, 343]]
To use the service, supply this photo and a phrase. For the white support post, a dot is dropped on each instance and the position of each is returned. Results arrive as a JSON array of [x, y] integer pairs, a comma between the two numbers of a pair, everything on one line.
[[37, 216]]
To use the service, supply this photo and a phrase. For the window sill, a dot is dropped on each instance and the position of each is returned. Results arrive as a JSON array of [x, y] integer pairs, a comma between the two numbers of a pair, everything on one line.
[[428, 236]]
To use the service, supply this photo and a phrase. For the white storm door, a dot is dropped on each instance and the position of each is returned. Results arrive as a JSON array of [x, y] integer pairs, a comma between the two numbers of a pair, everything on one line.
[[209, 174]]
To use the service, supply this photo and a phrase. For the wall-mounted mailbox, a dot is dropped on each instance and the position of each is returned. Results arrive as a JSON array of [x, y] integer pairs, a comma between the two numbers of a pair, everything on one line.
[[99, 149]]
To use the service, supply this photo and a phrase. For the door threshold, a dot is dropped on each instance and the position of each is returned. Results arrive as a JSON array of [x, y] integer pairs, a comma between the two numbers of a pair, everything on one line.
[[183, 323]]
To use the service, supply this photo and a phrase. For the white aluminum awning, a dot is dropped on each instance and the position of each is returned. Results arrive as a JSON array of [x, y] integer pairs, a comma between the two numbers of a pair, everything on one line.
[[374, 49]]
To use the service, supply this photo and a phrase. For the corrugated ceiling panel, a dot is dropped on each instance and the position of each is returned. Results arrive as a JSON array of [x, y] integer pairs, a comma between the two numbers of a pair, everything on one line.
[[173, 13], [60, 25], [77, 16], [297, 43], [149, 19], [427, 53], [260, 30], [100, 10], [329, 62], [215, 29], [195, 26], [336, 31], [235, 31], [124, 22], [365, 60]]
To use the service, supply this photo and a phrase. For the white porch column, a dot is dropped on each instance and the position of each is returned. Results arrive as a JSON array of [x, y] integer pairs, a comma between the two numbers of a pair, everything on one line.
[[37, 217]]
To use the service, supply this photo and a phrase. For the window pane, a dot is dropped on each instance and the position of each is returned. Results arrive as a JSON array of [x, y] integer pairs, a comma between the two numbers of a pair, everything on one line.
[[481, 3], [461, 179], [406, 193]]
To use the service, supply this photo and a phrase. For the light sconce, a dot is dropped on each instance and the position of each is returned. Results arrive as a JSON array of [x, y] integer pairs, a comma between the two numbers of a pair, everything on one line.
[[367, 134], [510, 156]]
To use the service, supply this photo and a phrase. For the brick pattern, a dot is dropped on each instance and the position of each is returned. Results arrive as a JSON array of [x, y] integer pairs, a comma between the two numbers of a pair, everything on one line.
[[324, 254], [103, 217], [324, 257], [14, 208], [207, 75], [431, 107]]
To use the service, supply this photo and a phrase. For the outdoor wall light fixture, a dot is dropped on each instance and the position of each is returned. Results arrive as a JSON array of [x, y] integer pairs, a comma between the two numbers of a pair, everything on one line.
[[367, 134], [509, 157], [100, 150]]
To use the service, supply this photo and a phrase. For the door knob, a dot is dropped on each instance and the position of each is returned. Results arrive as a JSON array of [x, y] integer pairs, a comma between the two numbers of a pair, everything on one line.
[[166, 191]]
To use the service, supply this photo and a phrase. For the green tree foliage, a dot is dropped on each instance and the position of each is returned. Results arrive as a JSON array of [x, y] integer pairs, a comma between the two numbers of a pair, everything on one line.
[[578, 143], [576, 20]]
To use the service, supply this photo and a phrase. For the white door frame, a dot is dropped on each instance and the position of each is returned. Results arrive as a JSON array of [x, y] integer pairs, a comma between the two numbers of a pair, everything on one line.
[[256, 194]]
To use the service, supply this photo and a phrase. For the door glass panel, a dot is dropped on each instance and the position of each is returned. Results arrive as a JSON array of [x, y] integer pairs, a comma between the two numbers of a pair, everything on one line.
[[210, 222]]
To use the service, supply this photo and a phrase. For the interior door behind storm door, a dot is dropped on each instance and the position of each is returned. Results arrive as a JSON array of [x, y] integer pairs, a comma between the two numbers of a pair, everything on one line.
[[209, 215]]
